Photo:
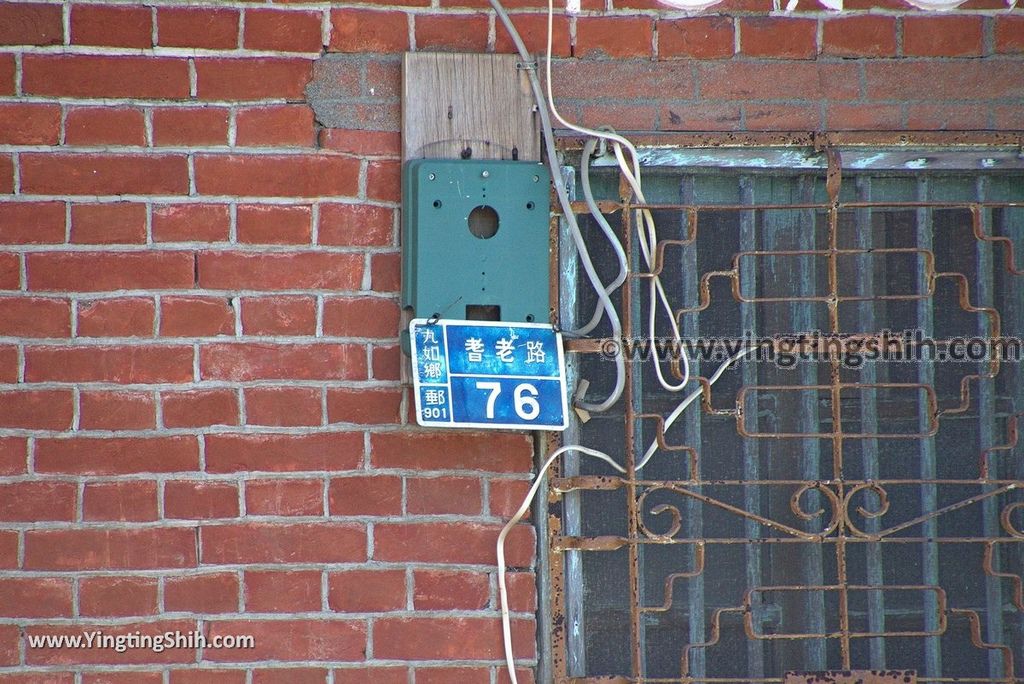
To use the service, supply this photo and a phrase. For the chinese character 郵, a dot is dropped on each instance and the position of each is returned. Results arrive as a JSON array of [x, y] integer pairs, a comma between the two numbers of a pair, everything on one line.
[[433, 397]]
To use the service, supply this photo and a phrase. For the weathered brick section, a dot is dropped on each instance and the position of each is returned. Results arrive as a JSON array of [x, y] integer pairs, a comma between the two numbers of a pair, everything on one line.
[[201, 420]]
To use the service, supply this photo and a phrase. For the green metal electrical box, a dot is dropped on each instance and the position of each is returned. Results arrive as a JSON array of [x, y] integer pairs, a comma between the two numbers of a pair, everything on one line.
[[475, 239]]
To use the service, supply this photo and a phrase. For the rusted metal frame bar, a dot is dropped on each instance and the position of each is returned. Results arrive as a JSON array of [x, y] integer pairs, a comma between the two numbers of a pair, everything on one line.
[[692, 435], [874, 571], [610, 206], [751, 451], [986, 417], [604, 482], [630, 396], [927, 467], [610, 543], [1014, 230]]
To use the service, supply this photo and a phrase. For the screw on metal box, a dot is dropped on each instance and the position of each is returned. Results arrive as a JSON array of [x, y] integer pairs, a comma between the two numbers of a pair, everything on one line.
[[475, 239]]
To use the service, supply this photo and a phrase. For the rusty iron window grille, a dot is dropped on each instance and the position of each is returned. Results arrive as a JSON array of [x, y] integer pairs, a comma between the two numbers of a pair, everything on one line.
[[820, 522]]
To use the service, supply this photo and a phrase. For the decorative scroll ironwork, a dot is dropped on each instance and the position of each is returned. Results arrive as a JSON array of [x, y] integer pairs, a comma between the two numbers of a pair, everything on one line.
[[795, 556]]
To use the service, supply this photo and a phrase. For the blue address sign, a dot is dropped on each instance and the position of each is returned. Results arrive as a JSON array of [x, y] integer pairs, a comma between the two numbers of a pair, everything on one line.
[[482, 374]]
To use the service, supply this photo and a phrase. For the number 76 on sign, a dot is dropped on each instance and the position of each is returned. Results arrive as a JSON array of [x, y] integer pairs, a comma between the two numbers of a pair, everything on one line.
[[488, 375]]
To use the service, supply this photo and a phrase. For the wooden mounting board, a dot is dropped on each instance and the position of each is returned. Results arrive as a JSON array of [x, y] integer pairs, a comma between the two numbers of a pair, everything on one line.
[[453, 101]]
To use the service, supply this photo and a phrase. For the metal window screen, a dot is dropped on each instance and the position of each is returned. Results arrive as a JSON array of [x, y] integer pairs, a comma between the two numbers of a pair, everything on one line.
[[826, 516]]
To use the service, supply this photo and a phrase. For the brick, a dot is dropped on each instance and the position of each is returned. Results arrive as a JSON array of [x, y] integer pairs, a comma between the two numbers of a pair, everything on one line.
[[506, 496], [29, 124], [1009, 34], [621, 117], [303, 640], [280, 270], [106, 76], [186, 126], [696, 38], [277, 175], [367, 591], [780, 37], [385, 272], [196, 316], [104, 174], [9, 364], [859, 36], [463, 675], [367, 495], [780, 117], [104, 126], [278, 315], [462, 32], [364, 406], [208, 676], [123, 26], [449, 542], [363, 142], [100, 656], [106, 271], [117, 410], [284, 497], [9, 549], [197, 27], [31, 24], [271, 29], [32, 223], [626, 78], [291, 591], [701, 116], [13, 460], [283, 406], [120, 317], [264, 361], [36, 409], [279, 125], [290, 675], [199, 408], [955, 117], [112, 223], [384, 180], [269, 224], [448, 638], [211, 592], [6, 174], [361, 317], [117, 596], [450, 590], [46, 678], [958, 36], [533, 28], [200, 500], [444, 495], [34, 597], [1009, 117], [124, 678], [318, 542], [747, 81], [377, 675], [356, 225], [908, 80], [117, 364], [621, 37], [34, 317], [522, 592], [117, 456], [252, 78], [110, 549], [366, 30], [283, 453], [846, 117], [37, 501], [129, 500], [7, 72], [191, 222], [494, 452]]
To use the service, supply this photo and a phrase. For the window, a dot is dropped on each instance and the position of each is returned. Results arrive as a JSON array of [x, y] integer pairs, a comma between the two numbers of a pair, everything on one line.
[[835, 513]]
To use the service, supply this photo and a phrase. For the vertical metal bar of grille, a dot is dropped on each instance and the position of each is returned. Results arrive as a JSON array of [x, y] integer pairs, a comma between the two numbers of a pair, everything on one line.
[[986, 415], [929, 494], [874, 571], [751, 466], [692, 435]]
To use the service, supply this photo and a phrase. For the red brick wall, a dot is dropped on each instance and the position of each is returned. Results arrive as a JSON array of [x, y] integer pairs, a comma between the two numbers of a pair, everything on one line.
[[201, 425]]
